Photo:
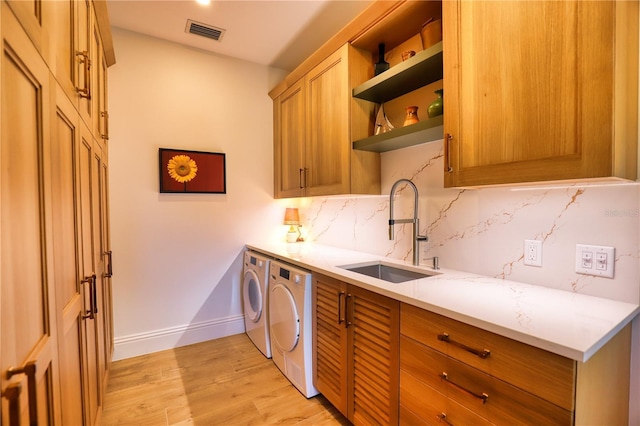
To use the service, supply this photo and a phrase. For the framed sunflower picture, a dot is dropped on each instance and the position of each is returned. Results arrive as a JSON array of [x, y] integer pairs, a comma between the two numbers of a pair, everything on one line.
[[192, 172]]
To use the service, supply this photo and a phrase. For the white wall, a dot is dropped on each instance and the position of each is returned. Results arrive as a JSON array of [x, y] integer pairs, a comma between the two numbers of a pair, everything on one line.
[[177, 258]]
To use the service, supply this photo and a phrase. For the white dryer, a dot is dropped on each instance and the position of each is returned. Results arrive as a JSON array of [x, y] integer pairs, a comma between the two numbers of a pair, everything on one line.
[[255, 299], [290, 322]]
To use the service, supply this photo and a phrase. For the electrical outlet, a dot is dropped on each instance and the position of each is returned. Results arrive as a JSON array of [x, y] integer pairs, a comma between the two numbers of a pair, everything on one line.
[[595, 260], [533, 252]]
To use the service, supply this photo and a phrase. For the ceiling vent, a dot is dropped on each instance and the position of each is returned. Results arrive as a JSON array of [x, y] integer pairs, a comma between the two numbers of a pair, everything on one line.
[[204, 30]]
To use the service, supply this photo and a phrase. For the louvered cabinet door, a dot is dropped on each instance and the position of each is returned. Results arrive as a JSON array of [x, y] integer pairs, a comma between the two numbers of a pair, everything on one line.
[[330, 340], [374, 323]]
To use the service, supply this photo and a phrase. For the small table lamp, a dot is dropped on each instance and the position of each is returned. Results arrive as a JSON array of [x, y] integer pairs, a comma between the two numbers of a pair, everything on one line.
[[292, 218]]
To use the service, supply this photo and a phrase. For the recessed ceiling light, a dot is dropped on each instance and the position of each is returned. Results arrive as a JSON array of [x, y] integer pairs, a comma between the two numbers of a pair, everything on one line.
[[203, 2]]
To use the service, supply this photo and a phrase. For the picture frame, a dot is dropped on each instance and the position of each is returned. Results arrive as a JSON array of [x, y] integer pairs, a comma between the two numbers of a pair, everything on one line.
[[192, 172]]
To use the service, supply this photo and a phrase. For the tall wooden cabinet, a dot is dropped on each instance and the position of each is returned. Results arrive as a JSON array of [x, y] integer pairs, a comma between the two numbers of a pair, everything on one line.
[[55, 298], [356, 351], [315, 120], [557, 101]]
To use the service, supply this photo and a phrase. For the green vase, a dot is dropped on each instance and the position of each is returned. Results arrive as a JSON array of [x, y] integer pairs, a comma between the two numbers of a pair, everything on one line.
[[435, 108]]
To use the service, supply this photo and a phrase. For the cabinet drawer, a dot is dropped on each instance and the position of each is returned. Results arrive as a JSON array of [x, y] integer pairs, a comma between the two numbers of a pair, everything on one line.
[[491, 398], [420, 404], [542, 373]]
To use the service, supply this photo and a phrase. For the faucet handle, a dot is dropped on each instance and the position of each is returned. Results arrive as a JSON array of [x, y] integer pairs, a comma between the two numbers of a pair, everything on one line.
[[436, 263]]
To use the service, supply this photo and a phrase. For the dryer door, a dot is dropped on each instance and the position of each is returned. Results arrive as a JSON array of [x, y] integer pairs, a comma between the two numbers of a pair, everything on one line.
[[252, 296], [285, 321]]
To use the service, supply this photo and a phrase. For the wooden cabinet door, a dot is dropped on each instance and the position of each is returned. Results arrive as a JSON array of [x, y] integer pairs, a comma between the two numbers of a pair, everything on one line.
[[99, 265], [88, 270], [328, 138], [356, 350], [28, 377], [289, 142], [374, 326], [330, 340], [65, 35], [537, 104], [70, 310]]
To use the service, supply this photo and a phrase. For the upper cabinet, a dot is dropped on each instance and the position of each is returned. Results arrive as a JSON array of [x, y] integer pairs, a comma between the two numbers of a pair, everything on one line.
[[553, 102], [315, 120]]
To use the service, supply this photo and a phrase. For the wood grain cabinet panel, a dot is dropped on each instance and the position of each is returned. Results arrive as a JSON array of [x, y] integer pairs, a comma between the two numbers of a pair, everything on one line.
[[356, 351], [493, 399], [56, 299], [315, 120], [558, 101], [503, 381], [535, 370]]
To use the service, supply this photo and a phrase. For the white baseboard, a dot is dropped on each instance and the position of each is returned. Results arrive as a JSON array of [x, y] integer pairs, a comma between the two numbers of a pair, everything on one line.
[[173, 337]]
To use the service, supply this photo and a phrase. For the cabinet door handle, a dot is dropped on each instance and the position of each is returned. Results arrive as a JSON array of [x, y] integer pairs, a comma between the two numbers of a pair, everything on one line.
[[105, 115], [349, 310], [442, 417], [12, 394], [84, 59], [447, 153], [30, 371], [94, 300], [303, 178], [109, 255], [482, 396], [90, 313], [341, 308], [484, 353]]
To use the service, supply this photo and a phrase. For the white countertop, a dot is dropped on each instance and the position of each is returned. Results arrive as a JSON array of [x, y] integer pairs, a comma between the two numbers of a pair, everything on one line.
[[569, 324]]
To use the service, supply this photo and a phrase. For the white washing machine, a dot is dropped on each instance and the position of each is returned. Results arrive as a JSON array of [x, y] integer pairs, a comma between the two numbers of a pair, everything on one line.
[[255, 298], [290, 322]]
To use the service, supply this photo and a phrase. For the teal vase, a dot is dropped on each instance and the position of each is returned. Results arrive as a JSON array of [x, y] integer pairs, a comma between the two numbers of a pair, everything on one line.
[[435, 108]]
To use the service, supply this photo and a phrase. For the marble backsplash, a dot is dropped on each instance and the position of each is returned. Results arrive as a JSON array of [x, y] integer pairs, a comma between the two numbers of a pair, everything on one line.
[[483, 230]]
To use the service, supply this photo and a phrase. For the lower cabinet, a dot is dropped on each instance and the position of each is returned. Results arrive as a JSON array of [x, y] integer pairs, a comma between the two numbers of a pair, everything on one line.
[[380, 361], [453, 373], [356, 351]]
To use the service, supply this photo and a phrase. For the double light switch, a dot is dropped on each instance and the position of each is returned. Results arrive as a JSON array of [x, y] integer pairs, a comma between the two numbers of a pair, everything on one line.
[[595, 260]]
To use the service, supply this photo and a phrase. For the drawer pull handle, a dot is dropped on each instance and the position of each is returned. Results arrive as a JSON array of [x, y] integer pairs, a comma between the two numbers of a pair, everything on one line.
[[483, 396], [442, 417], [444, 337]]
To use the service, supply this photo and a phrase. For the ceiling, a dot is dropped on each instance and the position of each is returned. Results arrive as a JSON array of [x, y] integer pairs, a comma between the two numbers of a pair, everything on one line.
[[280, 34]]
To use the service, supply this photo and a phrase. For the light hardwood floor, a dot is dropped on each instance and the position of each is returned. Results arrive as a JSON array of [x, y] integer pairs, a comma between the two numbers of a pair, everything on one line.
[[220, 382]]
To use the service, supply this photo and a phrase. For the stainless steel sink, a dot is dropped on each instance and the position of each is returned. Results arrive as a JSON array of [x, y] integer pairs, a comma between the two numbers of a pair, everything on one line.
[[389, 272]]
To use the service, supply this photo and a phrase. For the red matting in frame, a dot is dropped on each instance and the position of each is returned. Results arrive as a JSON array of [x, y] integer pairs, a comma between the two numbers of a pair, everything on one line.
[[210, 178]]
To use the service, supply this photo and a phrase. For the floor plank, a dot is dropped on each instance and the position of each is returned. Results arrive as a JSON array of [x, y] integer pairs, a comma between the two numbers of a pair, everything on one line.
[[220, 382]]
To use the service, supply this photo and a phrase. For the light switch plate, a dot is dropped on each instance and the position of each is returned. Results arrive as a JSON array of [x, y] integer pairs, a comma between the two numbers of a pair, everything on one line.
[[595, 260]]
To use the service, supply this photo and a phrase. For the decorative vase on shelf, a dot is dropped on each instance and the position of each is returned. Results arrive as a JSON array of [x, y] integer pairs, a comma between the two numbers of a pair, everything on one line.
[[435, 108], [412, 116], [383, 125], [382, 65]]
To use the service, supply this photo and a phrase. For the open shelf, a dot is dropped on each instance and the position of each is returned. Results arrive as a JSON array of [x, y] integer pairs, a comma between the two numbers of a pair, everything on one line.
[[422, 132], [418, 71]]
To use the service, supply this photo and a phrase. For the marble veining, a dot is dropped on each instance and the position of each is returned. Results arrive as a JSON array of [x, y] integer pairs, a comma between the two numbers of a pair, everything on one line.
[[482, 231]]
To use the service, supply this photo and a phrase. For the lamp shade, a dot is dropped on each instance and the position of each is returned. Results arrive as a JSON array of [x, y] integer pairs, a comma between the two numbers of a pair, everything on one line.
[[291, 216]]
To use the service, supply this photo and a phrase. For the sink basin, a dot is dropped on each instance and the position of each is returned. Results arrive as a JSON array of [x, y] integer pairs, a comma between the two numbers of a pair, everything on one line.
[[388, 272]]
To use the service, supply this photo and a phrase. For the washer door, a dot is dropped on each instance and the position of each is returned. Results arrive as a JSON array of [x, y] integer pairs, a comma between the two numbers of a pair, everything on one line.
[[285, 321], [252, 296]]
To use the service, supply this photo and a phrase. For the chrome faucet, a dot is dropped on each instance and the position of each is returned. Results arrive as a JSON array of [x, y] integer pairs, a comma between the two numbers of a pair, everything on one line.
[[416, 238]]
